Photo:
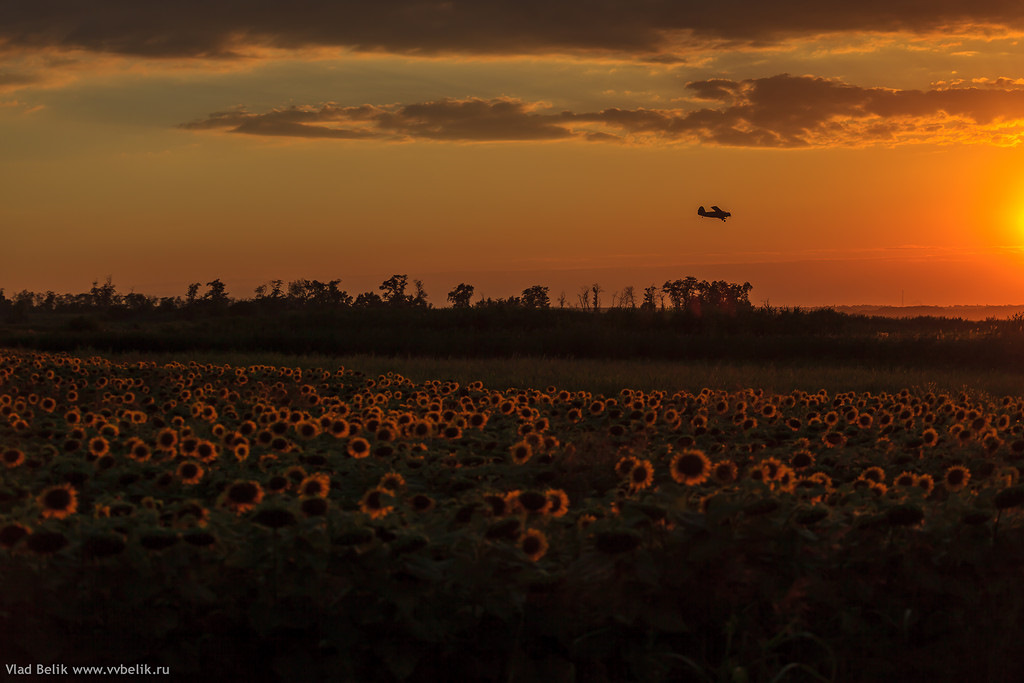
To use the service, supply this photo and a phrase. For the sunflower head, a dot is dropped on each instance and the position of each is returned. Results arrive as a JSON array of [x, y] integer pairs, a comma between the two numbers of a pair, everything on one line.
[[242, 496], [690, 467], [58, 501], [534, 544]]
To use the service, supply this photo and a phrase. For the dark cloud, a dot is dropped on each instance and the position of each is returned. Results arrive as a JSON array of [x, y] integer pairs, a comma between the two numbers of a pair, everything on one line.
[[224, 27], [456, 120], [12, 78], [779, 111]]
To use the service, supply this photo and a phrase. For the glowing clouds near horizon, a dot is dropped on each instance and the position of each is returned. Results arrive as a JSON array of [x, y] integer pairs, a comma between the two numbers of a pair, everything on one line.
[[780, 111]]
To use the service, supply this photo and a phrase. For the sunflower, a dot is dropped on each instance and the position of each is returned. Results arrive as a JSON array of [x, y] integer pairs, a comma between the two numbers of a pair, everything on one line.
[[376, 503], [925, 483], [392, 481], [358, 447], [190, 472], [876, 474], [641, 476], [337, 428], [534, 544], [240, 450], [558, 502], [802, 459], [166, 439], [521, 452], [834, 440], [625, 465], [725, 472], [690, 467], [904, 480], [58, 501], [500, 505], [98, 446], [12, 457], [138, 450], [242, 496], [318, 485], [930, 437], [956, 477], [188, 446]]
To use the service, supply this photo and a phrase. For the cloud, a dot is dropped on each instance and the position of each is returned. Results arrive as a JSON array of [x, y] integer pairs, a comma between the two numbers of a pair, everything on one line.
[[472, 119], [226, 28], [779, 111]]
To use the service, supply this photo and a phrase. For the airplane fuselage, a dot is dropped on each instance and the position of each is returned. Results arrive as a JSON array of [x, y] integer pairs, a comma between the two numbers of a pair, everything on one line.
[[715, 213]]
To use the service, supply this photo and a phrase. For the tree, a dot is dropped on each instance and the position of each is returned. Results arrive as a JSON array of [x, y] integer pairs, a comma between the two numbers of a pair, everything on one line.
[[596, 289], [583, 297], [136, 302], [394, 290], [536, 297], [367, 300], [103, 296], [679, 292], [193, 292], [420, 298], [460, 295], [628, 297], [648, 304], [216, 294]]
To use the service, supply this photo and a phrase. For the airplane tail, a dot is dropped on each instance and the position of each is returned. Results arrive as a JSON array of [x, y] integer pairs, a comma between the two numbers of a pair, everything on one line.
[[701, 211]]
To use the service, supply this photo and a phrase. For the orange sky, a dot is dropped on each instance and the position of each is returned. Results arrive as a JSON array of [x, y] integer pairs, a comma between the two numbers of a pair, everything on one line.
[[868, 152]]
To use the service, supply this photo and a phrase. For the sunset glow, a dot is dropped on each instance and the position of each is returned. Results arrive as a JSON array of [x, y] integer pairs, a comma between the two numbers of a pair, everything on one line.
[[868, 152]]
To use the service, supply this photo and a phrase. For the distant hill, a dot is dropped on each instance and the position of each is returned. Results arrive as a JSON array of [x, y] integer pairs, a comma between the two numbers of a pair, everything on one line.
[[964, 312]]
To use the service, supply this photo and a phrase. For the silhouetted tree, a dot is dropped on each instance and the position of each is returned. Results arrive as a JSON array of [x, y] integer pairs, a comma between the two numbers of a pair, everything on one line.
[[394, 290], [367, 300], [138, 303], [169, 303], [420, 298], [649, 303], [583, 297], [536, 297], [628, 297], [460, 295], [510, 302], [216, 294], [596, 290], [105, 295], [48, 301], [192, 293]]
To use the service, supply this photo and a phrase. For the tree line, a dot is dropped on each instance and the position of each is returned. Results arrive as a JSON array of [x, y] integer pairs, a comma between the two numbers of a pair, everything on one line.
[[685, 294]]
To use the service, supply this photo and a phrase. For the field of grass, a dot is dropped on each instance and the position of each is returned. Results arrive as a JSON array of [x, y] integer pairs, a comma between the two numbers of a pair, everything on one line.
[[249, 520]]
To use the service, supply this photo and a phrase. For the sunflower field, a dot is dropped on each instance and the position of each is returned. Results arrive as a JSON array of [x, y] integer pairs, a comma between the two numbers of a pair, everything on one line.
[[264, 522]]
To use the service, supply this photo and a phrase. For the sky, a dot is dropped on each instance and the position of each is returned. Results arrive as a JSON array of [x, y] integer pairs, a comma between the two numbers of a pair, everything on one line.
[[868, 151]]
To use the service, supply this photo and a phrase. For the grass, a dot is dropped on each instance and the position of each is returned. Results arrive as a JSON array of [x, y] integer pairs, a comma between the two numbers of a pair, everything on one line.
[[610, 376]]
